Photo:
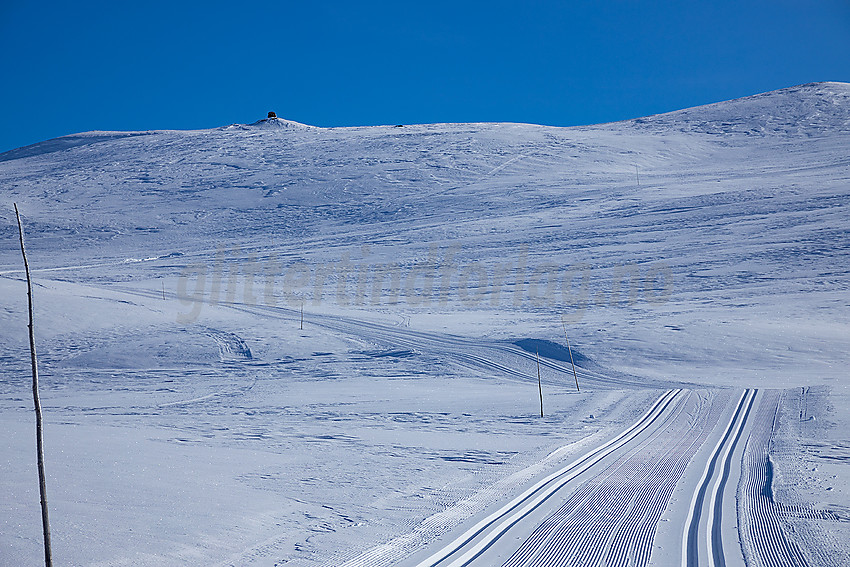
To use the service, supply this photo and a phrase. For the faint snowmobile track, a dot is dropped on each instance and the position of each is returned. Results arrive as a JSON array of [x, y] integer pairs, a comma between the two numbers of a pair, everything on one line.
[[471, 544], [463, 349], [122, 262], [716, 480], [765, 544], [460, 349]]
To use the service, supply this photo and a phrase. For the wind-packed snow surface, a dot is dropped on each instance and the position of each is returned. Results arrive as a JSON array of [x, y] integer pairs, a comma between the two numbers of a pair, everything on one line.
[[276, 344]]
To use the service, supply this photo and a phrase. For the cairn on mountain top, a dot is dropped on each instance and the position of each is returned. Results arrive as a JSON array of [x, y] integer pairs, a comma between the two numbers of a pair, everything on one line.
[[272, 115]]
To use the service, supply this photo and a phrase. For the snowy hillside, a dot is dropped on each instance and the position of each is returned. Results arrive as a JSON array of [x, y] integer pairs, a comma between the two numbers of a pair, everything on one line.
[[193, 419]]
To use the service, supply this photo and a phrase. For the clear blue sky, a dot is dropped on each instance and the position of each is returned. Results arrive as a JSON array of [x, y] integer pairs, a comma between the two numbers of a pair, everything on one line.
[[74, 66]]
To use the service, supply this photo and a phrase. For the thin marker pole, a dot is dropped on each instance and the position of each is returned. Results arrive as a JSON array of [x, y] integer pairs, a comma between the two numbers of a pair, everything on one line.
[[539, 383], [39, 437], [570, 349]]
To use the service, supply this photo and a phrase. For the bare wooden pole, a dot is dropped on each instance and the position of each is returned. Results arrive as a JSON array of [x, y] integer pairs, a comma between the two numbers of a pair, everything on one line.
[[539, 383], [302, 314], [570, 349], [39, 437]]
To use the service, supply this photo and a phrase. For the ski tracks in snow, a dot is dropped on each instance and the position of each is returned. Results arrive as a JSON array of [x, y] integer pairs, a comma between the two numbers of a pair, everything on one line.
[[765, 543], [626, 484], [611, 518], [713, 483], [478, 539]]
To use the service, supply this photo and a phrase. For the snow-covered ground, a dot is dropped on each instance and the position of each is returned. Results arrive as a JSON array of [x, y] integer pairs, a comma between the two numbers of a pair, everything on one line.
[[699, 261]]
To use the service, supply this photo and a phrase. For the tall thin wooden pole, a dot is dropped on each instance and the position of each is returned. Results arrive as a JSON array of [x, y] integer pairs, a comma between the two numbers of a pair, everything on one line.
[[302, 314], [570, 349], [539, 383], [39, 437]]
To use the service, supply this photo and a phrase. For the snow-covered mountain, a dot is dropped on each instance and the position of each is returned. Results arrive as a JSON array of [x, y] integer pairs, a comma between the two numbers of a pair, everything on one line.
[[705, 248]]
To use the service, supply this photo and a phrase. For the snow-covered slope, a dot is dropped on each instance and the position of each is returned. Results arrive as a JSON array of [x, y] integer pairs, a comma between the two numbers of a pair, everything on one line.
[[754, 219], [705, 247], [812, 110]]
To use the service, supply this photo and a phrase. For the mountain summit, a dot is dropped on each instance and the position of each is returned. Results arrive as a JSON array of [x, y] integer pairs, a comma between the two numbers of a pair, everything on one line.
[[276, 122]]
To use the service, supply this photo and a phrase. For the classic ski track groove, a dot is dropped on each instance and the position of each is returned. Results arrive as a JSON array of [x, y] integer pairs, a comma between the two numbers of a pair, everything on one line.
[[725, 447]]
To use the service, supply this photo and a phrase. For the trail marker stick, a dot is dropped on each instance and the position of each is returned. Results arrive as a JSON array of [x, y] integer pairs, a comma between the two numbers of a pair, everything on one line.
[[569, 348], [539, 383], [39, 436]]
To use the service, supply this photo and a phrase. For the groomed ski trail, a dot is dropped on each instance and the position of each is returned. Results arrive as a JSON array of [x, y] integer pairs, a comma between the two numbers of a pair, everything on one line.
[[472, 543]]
